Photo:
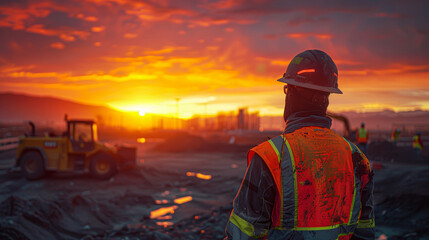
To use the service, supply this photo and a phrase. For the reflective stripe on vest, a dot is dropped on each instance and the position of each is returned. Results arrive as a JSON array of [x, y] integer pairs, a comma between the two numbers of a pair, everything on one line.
[[395, 135], [245, 227], [362, 135], [313, 167], [416, 142]]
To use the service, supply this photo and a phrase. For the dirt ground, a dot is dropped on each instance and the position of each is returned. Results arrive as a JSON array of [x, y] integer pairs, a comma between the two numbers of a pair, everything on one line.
[[180, 195]]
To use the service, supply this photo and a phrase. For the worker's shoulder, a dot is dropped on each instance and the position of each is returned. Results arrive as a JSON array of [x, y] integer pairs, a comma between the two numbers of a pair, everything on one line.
[[353, 147], [277, 141]]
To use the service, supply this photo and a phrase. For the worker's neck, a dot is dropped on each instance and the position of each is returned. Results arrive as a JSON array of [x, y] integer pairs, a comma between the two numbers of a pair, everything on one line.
[[307, 119], [308, 113]]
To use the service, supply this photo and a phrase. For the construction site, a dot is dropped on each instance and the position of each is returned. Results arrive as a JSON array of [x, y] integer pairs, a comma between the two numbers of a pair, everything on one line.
[[214, 119], [182, 185]]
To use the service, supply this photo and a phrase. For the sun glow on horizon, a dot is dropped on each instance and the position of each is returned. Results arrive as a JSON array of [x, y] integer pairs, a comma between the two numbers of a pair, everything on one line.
[[214, 66]]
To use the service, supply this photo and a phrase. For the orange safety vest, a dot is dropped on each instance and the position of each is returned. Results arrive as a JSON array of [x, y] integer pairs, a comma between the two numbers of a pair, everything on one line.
[[318, 186], [362, 135], [416, 142]]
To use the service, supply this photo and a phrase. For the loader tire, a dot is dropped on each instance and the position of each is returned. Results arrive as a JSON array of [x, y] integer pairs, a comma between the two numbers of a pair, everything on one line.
[[102, 166], [32, 165]]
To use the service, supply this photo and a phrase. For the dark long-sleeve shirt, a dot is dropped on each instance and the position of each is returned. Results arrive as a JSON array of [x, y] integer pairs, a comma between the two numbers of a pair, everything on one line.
[[255, 199]]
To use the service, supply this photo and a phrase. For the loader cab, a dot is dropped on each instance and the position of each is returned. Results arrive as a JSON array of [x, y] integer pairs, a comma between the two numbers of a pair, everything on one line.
[[82, 135]]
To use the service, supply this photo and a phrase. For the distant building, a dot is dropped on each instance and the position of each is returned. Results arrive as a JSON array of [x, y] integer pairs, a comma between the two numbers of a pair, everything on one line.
[[246, 121], [243, 119], [224, 121], [254, 121]]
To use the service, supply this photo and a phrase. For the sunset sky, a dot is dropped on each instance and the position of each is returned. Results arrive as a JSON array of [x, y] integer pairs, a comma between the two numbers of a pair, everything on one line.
[[219, 55]]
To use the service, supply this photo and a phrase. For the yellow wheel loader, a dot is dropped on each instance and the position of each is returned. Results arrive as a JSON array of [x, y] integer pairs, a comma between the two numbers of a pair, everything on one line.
[[78, 150]]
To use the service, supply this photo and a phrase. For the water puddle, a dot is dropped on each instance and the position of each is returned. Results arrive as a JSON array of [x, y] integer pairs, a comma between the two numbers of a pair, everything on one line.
[[183, 200], [166, 217], [155, 214], [199, 175], [166, 213], [165, 193], [165, 224], [162, 201], [204, 176]]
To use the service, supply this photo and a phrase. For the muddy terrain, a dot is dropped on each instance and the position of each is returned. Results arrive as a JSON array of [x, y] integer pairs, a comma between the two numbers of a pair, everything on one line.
[[184, 195]]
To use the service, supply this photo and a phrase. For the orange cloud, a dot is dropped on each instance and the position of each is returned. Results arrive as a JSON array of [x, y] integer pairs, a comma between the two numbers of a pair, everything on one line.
[[91, 19], [280, 62], [35, 75], [39, 29], [207, 22], [130, 35], [134, 59], [98, 29], [81, 34], [64, 34], [16, 17], [347, 62], [67, 38], [307, 35], [271, 36], [167, 49], [353, 72], [212, 48], [58, 45], [393, 69], [14, 68], [47, 88], [222, 4], [149, 12], [87, 18]]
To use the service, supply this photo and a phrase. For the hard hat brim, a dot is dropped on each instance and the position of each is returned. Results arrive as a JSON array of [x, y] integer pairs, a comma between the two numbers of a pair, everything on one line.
[[309, 85]]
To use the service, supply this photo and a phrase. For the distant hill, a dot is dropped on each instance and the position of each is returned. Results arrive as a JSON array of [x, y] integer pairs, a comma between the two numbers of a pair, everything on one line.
[[15, 108]]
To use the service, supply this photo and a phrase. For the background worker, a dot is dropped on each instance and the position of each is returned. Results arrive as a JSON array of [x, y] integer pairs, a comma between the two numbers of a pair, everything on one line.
[[309, 182], [417, 143], [362, 136], [395, 136]]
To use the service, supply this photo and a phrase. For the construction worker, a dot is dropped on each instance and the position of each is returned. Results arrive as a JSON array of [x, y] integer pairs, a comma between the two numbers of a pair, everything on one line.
[[362, 136], [395, 136], [309, 182], [417, 144]]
